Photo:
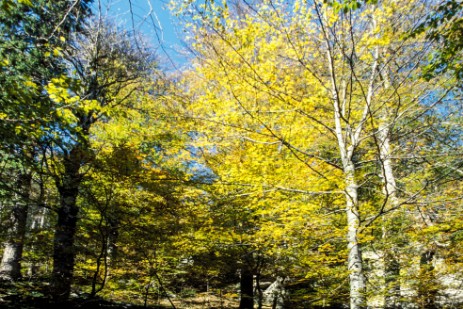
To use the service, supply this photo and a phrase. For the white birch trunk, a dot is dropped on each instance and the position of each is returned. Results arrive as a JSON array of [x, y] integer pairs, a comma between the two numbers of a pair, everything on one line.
[[354, 260], [349, 132], [390, 254], [391, 260]]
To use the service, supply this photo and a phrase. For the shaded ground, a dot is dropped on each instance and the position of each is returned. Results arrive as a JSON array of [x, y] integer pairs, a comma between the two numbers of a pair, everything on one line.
[[32, 296], [76, 303], [43, 303]]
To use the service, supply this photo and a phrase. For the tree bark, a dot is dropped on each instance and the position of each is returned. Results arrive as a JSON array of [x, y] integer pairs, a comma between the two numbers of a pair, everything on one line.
[[63, 245], [354, 260], [348, 137], [277, 293], [390, 229], [246, 288], [10, 266]]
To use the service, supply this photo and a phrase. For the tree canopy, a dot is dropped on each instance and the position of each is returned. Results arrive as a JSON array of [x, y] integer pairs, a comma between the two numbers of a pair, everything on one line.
[[308, 155]]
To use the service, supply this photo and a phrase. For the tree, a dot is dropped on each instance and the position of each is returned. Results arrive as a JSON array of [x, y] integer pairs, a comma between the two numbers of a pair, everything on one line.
[[131, 199], [320, 71], [444, 25], [106, 70], [32, 33]]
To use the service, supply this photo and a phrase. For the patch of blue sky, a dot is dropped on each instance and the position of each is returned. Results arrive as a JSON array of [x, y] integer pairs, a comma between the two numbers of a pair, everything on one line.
[[153, 19]]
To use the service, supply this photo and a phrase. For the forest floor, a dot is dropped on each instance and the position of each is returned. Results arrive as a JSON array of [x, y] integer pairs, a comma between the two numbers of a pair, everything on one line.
[[33, 295], [42, 303], [10, 299]]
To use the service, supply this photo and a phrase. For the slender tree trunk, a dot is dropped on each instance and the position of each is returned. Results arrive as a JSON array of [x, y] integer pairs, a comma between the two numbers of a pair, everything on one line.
[[109, 234], [348, 138], [357, 280], [279, 293], [354, 260], [101, 259], [390, 229], [246, 287], [10, 266], [63, 245], [113, 235]]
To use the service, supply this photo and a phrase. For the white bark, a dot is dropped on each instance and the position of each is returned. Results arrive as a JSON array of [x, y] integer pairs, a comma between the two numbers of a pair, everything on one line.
[[391, 202], [390, 188], [276, 294], [354, 260], [349, 135], [391, 260], [346, 145], [10, 266]]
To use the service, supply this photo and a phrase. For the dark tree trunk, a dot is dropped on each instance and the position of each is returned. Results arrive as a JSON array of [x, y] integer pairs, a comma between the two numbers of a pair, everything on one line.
[[112, 251], [63, 245], [10, 267], [247, 289]]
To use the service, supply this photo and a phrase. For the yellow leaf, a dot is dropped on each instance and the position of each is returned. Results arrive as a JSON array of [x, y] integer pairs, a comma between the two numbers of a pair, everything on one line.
[[25, 2]]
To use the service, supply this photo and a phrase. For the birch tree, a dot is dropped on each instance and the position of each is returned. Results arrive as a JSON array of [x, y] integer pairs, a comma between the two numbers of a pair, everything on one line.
[[333, 94]]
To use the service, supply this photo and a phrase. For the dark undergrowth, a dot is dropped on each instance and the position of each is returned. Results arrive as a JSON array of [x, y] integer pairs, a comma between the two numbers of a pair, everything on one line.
[[33, 295]]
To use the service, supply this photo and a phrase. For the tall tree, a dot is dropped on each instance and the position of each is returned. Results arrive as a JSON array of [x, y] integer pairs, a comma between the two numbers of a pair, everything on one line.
[[311, 77], [32, 35], [106, 68]]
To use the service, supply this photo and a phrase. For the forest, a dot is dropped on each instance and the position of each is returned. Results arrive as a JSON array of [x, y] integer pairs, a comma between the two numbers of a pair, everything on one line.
[[306, 154]]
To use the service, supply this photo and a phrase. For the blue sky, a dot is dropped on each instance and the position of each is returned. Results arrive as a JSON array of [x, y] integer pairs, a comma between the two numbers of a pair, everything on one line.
[[154, 20]]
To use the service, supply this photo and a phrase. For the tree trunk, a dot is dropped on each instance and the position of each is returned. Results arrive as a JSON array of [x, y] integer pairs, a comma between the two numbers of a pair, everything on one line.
[[348, 139], [10, 266], [260, 294], [354, 260], [246, 288], [276, 293], [390, 225], [63, 245], [113, 235]]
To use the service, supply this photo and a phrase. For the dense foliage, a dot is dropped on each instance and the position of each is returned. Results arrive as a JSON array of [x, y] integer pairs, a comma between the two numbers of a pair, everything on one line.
[[308, 156]]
